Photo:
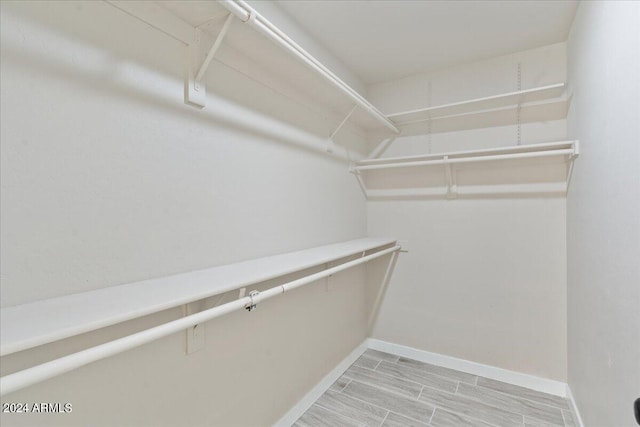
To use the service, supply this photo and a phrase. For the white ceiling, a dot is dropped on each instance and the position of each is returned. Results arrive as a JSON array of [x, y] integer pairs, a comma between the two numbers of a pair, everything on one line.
[[385, 40]]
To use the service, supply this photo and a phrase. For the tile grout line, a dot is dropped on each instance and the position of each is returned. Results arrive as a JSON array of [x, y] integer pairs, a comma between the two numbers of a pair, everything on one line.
[[436, 374], [511, 410], [384, 374], [520, 397], [457, 387], [441, 377], [386, 409], [432, 414], [475, 383], [332, 411], [385, 418], [345, 386], [471, 417], [364, 401], [475, 400]]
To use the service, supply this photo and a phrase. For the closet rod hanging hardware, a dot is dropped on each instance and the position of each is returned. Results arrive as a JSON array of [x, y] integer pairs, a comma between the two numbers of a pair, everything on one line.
[[252, 305]]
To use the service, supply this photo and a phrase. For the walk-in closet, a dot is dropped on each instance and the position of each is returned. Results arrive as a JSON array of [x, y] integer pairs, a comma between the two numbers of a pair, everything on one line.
[[253, 213]]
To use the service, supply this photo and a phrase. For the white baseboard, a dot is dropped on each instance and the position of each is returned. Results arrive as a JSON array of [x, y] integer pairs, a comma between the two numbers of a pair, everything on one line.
[[314, 394], [574, 408], [544, 385]]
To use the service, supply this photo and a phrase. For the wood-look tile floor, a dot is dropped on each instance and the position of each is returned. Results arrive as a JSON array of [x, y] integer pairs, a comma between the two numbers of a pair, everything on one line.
[[381, 389]]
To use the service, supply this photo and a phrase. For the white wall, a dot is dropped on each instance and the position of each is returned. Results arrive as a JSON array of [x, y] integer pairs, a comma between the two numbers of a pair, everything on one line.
[[108, 178], [293, 29], [603, 212], [485, 278]]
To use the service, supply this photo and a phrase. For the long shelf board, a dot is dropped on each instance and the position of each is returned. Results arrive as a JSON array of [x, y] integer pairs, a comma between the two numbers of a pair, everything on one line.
[[479, 104], [29, 325]]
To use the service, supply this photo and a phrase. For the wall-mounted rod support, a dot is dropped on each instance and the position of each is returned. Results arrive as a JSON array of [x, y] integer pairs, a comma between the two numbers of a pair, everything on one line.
[[572, 160], [248, 15], [451, 193], [214, 47], [21, 379], [252, 305]]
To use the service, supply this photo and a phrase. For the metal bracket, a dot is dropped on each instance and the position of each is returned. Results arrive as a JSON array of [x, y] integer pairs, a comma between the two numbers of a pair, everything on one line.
[[572, 159], [330, 142], [327, 280], [252, 305], [356, 173], [452, 188], [195, 335], [195, 90], [519, 109], [381, 147]]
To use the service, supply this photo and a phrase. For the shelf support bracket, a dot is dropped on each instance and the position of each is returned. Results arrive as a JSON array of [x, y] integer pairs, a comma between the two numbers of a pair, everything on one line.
[[572, 159], [382, 290], [195, 89], [452, 189], [381, 147], [356, 173], [195, 335], [330, 142]]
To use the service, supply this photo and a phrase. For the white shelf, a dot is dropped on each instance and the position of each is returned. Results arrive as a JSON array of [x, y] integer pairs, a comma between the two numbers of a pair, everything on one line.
[[543, 103], [479, 104], [41, 322], [260, 51], [450, 164]]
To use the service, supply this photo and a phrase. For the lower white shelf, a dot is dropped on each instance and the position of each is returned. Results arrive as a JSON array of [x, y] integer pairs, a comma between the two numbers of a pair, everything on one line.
[[532, 170], [29, 325]]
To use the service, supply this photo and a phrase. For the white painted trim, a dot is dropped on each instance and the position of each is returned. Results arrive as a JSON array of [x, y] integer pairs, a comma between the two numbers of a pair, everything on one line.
[[544, 385], [574, 408], [314, 394]]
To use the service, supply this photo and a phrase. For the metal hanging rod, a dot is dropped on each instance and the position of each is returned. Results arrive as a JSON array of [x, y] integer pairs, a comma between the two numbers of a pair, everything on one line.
[[572, 150], [21, 379], [249, 16]]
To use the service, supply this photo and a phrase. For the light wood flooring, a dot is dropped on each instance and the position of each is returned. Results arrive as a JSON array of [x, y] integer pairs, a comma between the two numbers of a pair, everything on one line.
[[381, 389]]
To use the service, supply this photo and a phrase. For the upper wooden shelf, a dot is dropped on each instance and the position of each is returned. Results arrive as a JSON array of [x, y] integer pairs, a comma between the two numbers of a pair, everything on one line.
[[41, 322]]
